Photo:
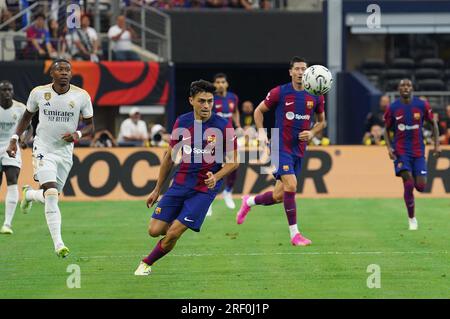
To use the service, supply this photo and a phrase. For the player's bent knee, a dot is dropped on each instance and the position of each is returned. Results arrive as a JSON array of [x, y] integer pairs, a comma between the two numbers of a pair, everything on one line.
[[278, 197], [154, 231], [290, 188]]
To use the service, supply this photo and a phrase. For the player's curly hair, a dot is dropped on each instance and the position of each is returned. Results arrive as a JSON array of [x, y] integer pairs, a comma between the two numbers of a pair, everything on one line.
[[201, 86]]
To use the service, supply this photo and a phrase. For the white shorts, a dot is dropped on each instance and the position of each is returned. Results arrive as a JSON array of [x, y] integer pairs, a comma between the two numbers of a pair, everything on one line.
[[50, 167], [5, 160]]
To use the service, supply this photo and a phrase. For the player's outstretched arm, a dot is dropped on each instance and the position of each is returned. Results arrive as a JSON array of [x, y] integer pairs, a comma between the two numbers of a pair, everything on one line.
[[21, 127], [164, 170]]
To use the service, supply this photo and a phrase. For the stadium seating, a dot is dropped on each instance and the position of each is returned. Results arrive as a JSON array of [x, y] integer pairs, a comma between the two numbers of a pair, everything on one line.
[[428, 74], [430, 85]]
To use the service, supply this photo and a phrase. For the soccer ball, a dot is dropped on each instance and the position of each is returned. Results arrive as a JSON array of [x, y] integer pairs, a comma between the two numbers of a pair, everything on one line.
[[317, 80]]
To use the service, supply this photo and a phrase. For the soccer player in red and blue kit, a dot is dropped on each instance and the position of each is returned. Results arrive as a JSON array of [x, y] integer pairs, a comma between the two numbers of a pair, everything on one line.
[[294, 112], [226, 105], [209, 152], [405, 117]]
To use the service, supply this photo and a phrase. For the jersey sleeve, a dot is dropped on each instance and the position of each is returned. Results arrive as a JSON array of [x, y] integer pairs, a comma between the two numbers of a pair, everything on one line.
[[388, 118], [320, 105], [86, 109], [428, 113], [32, 103], [174, 137], [272, 98]]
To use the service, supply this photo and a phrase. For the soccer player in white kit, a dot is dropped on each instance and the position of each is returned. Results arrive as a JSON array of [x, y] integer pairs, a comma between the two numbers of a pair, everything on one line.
[[59, 105], [10, 113]]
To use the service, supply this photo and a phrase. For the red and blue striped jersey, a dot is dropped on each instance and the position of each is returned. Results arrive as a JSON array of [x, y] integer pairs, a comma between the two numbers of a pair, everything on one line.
[[225, 106], [203, 146], [294, 112], [407, 122]]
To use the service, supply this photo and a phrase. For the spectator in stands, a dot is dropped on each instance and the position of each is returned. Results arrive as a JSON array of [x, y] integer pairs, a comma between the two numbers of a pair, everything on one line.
[[265, 4], [3, 8], [158, 135], [444, 127], [5, 15], [57, 37], [86, 41], [103, 138], [376, 118], [248, 123], [168, 4], [39, 45], [376, 136], [196, 4], [216, 4], [133, 130], [251, 4], [247, 120], [121, 35]]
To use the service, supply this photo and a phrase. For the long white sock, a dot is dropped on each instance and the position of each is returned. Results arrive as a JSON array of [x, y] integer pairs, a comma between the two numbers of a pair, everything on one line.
[[11, 199], [251, 201], [35, 195], [53, 216], [293, 230]]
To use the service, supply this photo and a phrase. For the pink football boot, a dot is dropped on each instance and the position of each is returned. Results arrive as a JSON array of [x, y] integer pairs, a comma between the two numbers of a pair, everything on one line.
[[243, 211], [299, 240]]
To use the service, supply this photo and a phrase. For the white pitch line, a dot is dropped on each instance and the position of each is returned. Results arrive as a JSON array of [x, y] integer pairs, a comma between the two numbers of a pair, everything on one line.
[[444, 252]]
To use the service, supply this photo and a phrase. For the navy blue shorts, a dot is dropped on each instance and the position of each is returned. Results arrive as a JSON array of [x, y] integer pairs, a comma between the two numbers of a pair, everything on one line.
[[186, 205], [416, 165], [288, 164]]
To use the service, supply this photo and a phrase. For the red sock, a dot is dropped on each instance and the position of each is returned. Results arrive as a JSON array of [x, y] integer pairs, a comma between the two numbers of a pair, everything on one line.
[[290, 207], [156, 254], [408, 196], [265, 199]]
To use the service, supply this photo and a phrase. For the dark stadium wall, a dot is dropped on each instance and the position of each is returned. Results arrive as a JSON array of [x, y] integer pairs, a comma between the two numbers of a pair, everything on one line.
[[356, 98], [222, 36]]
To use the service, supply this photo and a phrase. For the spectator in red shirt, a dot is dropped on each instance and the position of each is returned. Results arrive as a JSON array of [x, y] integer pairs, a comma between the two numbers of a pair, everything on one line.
[[39, 46]]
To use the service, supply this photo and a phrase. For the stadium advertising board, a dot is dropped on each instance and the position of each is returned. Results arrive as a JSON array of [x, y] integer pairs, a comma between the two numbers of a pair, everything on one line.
[[335, 172]]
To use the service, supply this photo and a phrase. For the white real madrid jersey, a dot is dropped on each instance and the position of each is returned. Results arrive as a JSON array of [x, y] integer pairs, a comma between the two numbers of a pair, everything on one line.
[[9, 119], [58, 114]]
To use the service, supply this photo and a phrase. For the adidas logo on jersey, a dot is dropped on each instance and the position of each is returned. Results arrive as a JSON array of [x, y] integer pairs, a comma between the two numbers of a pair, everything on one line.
[[47, 104]]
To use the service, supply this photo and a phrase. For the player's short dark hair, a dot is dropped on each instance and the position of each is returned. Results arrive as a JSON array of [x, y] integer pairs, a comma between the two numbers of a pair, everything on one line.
[[220, 76], [59, 61], [296, 59], [201, 86]]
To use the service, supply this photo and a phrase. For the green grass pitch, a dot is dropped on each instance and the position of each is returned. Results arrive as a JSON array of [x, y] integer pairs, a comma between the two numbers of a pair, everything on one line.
[[253, 260]]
